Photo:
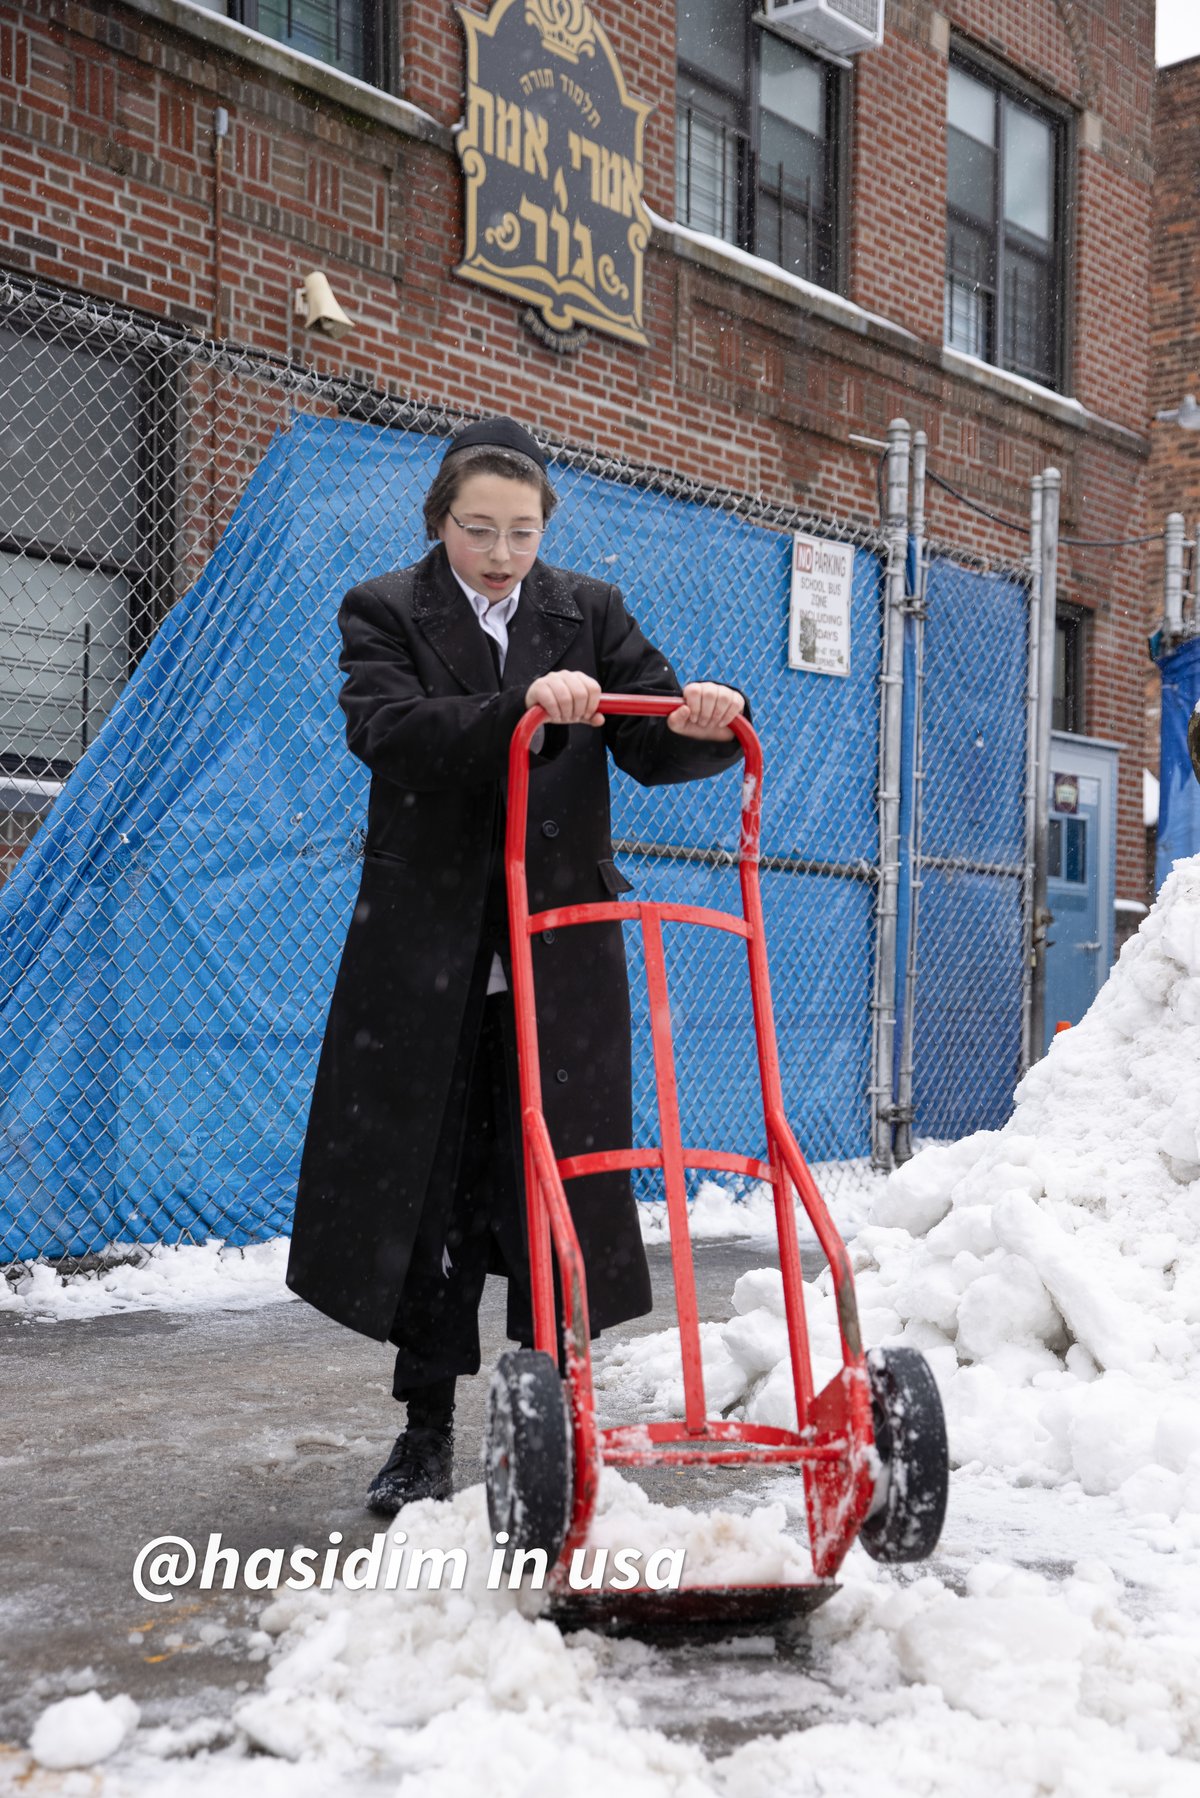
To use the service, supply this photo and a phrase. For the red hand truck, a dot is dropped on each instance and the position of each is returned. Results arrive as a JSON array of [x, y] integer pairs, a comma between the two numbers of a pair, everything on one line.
[[872, 1443]]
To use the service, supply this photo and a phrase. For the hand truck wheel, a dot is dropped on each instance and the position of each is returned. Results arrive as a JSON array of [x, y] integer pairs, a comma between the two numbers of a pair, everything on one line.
[[905, 1521], [527, 1454]]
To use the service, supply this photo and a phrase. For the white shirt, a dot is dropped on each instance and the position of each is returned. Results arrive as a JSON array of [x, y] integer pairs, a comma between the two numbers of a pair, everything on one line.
[[494, 619], [494, 616]]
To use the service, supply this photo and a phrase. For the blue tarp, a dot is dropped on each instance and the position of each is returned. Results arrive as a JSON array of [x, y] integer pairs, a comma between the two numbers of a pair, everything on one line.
[[1178, 790], [967, 1014], [170, 938]]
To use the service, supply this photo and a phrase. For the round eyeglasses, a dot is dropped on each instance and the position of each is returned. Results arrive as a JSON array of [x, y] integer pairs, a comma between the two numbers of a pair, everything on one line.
[[520, 539]]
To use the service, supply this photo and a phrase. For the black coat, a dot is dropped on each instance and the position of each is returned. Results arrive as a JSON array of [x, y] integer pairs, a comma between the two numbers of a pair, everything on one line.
[[425, 714]]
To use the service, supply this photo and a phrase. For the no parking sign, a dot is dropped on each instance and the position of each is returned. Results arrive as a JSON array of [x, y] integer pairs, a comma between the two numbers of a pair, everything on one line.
[[819, 621]]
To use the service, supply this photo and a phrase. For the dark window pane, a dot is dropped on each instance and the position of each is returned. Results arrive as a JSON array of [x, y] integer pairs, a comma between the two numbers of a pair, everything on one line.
[[791, 156], [1028, 172], [1076, 850], [69, 443], [1054, 856], [969, 298], [333, 31], [707, 170], [1028, 315], [691, 91], [712, 35], [971, 107], [64, 630], [791, 86], [970, 177]]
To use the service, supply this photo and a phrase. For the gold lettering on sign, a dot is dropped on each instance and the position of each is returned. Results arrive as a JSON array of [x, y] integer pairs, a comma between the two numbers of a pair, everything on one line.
[[554, 213], [615, 182]]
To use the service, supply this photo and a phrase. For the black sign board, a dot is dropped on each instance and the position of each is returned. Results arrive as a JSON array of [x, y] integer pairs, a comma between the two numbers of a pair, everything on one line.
[[551, 150]]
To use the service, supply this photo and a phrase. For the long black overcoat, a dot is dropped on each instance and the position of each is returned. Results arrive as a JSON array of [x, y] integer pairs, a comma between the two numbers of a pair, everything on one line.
[[426, 714]]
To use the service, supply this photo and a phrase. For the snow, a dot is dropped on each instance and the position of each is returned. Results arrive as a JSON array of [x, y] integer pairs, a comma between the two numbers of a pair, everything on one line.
[[1149, 799], [1050, 1270], [78, 1732], [850, 313], [219, 1276], [724, 1213], [166, 1277], [1020, 383], [1013, 1686]]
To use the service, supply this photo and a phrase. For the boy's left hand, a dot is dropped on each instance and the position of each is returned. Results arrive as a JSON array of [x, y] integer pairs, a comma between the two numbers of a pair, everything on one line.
[[706, 711]]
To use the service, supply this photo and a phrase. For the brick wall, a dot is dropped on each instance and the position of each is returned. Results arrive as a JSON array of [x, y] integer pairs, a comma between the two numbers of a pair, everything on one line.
[[108, 185]]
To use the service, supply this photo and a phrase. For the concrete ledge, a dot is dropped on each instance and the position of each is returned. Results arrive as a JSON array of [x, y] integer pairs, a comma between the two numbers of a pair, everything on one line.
[[1042, 399], [752, 271], [294, 66]]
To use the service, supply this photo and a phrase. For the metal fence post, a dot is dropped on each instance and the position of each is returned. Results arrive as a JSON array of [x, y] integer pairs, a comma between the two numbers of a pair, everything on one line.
[[1046, 573], [915, 610], [1173, 574], [890, 750], [1032, 713]]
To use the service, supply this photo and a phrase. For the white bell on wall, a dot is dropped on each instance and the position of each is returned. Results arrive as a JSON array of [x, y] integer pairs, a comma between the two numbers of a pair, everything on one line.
[[318, 308]]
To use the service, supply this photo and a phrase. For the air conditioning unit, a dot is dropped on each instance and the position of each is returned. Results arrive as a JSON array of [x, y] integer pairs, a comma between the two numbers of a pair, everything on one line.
[[841, 27]]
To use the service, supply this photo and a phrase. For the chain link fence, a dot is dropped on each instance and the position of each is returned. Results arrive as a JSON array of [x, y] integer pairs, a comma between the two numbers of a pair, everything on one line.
[[182, 823]]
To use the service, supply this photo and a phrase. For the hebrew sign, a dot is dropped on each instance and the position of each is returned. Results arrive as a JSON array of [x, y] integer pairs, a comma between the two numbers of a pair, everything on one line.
[[551, 151]]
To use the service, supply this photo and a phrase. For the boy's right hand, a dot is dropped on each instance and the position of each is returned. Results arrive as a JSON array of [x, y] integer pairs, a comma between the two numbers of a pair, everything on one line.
[[566, 697]]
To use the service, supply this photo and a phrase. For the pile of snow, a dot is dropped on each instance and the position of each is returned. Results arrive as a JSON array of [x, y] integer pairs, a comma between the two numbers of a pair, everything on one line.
[[724, 1213], [907, 1688], [1050, 1270], [168, 1277], [78, 1732]]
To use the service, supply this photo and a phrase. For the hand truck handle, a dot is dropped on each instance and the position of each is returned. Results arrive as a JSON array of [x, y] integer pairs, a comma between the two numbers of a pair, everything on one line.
[[637, 705]]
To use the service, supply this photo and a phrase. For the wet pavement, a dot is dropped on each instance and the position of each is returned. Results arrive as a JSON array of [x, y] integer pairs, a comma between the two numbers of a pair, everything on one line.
[[263, 1425]]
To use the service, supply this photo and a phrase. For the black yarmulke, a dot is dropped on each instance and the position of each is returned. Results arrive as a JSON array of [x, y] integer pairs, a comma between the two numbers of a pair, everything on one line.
[[499, 433]]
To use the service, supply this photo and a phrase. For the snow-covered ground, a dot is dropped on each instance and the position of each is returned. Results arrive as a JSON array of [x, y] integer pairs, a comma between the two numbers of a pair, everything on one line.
[[214, 1276], [1051, 1272]]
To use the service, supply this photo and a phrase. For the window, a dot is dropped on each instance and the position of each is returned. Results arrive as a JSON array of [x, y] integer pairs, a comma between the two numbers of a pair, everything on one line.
[[84, 543], [1068, 671], [1003, 258], [350, 35], [756, 136]]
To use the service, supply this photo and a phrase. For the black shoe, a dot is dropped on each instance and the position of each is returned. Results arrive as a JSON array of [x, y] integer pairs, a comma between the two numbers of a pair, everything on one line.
[[421, 1465]]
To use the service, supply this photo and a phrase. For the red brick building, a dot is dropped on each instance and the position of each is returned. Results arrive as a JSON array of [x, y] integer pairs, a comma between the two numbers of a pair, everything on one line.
[[953, 225]]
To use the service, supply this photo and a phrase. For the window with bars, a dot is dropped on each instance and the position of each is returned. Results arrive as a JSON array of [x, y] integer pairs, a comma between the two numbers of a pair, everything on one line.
[[756, 138], [1068, 670], [1004, 264], [351, 35], [85, 553]]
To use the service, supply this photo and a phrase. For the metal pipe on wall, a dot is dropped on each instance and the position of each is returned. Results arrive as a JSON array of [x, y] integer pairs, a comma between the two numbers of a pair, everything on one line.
[[220, 132], [1173, 574], [1042, 919], [890, 749]]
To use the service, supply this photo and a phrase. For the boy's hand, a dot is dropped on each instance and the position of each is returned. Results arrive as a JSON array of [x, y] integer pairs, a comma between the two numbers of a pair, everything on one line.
[[566, 697], [706, 710]]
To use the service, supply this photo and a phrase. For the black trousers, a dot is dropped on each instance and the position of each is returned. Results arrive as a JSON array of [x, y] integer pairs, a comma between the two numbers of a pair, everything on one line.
[[473, 1220]]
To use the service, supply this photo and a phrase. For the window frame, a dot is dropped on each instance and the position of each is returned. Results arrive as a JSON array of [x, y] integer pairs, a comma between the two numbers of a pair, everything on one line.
[[1009, 84], [380, 46], [151, 570], [746, 102], [1071, 622]]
